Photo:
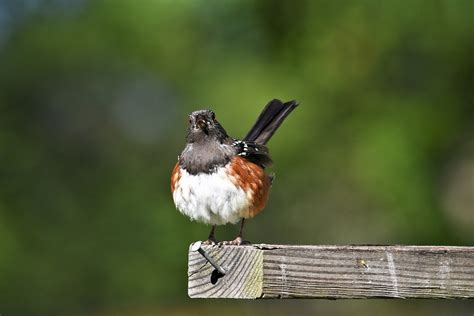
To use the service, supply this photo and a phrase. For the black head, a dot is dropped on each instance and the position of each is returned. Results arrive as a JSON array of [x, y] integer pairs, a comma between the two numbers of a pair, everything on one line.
[[203, 126]]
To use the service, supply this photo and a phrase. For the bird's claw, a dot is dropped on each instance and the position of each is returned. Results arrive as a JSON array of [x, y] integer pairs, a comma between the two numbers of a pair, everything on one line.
[[211, 242], [238, 241]]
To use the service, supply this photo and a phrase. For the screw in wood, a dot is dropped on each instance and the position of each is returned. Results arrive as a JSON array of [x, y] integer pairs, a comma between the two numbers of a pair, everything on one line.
[[197, 247]]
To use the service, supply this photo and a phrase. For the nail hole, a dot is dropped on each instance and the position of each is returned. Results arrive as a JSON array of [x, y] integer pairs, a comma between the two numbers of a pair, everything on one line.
[[215, 276]]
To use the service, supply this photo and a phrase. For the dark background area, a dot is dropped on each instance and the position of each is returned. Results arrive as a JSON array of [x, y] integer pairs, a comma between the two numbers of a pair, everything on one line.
[[94, 98]]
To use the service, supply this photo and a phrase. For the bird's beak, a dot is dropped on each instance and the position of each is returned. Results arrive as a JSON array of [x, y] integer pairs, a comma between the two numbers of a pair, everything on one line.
[[201, 124]]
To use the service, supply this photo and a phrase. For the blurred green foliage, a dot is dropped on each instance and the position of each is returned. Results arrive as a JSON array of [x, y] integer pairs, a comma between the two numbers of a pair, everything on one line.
[[94, 97]]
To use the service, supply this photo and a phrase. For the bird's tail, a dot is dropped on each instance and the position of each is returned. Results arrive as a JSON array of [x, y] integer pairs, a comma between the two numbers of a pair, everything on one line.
[[269, 120]]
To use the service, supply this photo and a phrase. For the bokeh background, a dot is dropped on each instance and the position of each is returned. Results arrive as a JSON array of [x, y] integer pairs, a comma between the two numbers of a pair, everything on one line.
[[94, 97]]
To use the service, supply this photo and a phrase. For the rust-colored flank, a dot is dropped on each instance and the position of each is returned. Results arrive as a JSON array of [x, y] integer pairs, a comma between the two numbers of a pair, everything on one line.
[[175, 176], [253, 180]]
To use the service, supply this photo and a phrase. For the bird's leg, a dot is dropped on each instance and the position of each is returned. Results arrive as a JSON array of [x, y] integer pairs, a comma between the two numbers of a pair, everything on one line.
[[238, 240], [211, 240]]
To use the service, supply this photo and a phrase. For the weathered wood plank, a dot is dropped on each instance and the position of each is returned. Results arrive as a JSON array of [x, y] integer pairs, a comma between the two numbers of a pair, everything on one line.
[[279, 271]]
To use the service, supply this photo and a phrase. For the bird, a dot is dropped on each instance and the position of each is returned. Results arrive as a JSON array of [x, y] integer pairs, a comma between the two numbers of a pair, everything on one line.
[[219, 179]]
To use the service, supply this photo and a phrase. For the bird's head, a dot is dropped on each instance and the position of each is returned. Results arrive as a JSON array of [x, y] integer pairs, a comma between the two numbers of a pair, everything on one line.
[[203, 126]]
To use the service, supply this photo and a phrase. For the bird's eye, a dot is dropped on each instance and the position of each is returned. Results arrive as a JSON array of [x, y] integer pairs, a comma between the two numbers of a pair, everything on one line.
[[213, 115], [190, 120]]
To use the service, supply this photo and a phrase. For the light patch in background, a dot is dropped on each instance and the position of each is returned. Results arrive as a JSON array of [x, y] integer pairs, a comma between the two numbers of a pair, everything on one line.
[[144, 109], [14, 13], [138, 106], [458, 197]]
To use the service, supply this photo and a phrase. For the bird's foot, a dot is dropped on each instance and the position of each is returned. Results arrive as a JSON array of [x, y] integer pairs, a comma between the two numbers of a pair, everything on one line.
[[238, 241], [211, 241]]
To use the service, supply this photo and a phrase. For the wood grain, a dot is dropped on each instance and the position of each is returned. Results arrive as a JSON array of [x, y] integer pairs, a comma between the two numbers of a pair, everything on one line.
[[335, 272], [244, 277]]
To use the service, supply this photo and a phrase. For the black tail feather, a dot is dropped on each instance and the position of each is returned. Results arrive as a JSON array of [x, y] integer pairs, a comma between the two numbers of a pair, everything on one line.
[[269, 120]]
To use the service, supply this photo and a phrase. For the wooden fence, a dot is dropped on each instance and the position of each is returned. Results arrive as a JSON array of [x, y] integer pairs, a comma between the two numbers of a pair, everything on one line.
[[332, 272]]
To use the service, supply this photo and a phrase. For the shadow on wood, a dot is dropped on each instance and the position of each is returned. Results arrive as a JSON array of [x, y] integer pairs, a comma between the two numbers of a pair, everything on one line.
[[334, 272]]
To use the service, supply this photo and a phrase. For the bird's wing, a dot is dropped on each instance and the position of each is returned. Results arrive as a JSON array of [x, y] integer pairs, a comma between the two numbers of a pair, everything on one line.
[[256, 153]]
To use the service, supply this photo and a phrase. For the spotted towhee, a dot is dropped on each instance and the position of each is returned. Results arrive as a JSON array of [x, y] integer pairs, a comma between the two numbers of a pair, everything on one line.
[[219, 179]]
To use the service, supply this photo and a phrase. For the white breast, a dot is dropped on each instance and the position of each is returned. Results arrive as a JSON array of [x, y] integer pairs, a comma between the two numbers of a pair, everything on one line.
[[210, 198]]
